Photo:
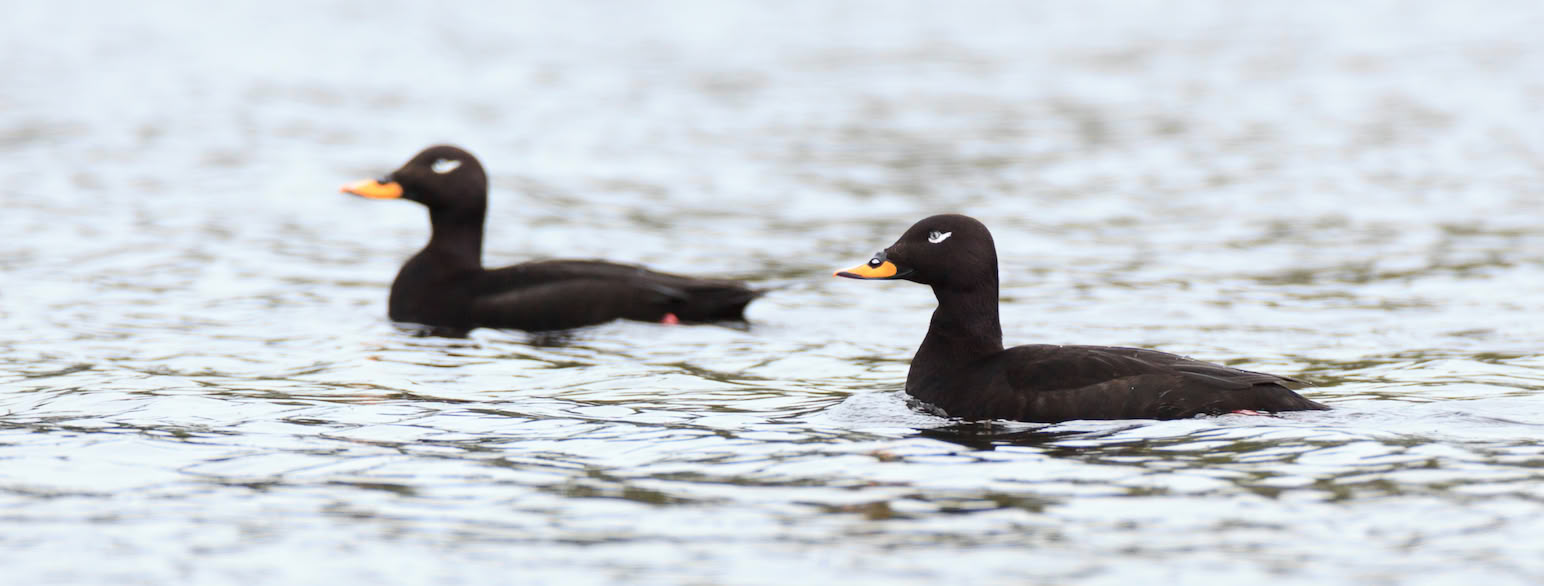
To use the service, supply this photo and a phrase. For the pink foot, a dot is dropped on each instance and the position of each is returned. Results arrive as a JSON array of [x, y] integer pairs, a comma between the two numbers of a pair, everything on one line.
[[670, 319], [1248, 412]]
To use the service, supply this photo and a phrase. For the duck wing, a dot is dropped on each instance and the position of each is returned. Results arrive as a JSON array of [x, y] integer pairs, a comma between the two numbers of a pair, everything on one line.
[[590, 291], [1059, 383], [570, 303]]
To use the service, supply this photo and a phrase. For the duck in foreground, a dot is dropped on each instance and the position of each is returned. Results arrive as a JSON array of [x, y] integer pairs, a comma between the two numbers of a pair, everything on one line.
[[963, 369], [446, 287]]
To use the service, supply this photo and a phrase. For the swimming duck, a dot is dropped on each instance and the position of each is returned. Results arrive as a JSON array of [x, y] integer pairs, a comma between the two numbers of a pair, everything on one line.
[[445, 286], [963, 370]]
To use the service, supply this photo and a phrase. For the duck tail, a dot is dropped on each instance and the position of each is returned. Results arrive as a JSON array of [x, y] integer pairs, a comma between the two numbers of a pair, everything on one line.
[[717, 303]]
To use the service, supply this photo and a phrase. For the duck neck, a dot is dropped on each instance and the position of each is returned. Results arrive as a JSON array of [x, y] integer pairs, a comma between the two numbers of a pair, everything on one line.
[[456, 238], [965, 327]]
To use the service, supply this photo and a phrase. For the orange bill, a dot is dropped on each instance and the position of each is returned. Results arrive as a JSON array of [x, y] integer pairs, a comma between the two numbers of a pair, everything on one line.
[[870, 270], [374, 189]]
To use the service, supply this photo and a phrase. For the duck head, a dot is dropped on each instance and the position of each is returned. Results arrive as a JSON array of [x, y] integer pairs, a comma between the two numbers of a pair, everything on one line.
[[946, 251], [440, 177]]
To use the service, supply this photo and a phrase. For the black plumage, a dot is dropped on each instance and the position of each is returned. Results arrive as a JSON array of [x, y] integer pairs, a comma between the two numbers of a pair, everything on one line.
[[446, 286], [963, 369]]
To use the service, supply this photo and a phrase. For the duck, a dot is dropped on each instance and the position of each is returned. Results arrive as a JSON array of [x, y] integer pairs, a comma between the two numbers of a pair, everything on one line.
[[963, 371], [446, 288]]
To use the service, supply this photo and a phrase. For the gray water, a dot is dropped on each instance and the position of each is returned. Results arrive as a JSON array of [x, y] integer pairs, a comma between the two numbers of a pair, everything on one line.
[[198, 383]]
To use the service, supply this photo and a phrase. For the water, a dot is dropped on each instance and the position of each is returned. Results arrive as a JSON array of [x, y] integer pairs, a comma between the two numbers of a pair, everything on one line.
[[198, 383]]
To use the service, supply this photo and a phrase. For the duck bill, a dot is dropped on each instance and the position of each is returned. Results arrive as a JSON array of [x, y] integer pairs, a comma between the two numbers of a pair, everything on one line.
[[885, 271], [374, 189]]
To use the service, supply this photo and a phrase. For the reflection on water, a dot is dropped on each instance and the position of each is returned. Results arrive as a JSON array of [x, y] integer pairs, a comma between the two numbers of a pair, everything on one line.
[[197, 382]]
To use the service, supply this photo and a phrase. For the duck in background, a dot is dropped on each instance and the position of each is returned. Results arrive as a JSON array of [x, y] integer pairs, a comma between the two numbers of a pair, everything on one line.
[[445, 286]]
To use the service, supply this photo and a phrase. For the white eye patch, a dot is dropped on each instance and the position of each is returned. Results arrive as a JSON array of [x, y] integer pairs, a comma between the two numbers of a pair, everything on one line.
[[937, 237], [444, 166]]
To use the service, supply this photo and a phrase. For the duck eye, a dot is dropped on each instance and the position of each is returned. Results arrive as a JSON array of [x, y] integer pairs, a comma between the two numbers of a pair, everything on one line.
[[935, 237], [876, 261], [443, 166]]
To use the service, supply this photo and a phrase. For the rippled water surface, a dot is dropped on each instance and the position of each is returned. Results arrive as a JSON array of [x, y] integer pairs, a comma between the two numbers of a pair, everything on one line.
[[198, 383]]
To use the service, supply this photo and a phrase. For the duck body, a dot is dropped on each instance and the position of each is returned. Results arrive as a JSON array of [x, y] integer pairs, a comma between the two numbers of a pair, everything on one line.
[[1048, 383], [557, 295], [963, 369], [446, 287]]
